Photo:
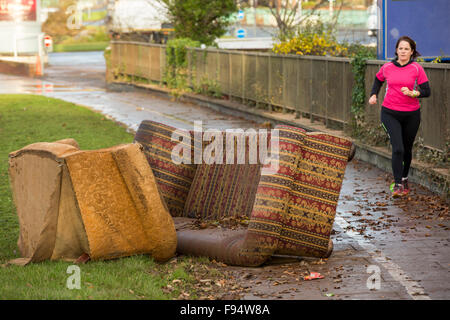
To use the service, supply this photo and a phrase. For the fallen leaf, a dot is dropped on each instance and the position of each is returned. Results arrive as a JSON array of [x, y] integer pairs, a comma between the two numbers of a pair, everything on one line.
[[205, 280], [313, 276]]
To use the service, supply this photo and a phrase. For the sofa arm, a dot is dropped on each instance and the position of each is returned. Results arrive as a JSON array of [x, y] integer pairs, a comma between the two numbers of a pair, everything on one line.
[[233, 247]]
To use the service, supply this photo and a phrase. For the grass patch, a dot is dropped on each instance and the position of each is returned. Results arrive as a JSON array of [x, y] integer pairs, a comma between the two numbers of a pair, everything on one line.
[[26, 119], [95, 15], [85, 46]]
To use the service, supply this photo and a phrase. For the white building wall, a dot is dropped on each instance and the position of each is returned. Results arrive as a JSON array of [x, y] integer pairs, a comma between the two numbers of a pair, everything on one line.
[[20, 36]]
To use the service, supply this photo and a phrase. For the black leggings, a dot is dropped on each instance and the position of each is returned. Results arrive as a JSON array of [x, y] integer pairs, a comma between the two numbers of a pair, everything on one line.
[[402, 127]]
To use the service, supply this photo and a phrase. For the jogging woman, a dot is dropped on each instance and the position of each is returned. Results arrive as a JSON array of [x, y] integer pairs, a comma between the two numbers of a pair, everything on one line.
[[400, 111]]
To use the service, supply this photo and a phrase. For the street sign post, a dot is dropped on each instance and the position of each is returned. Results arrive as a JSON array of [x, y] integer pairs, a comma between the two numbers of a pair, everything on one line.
[[241, 14], [48, 43], [240, 33]]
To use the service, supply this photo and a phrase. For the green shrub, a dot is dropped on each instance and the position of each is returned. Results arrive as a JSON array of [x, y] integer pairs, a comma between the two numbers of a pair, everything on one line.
[[176, 67], [311, 44], [316, 39]]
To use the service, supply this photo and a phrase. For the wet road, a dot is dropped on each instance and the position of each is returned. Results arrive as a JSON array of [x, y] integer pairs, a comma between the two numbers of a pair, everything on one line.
[[80, 78], [384, 248]]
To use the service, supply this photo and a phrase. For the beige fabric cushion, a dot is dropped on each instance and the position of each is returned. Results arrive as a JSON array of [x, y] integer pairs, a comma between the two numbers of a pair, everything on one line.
[[104, 203]]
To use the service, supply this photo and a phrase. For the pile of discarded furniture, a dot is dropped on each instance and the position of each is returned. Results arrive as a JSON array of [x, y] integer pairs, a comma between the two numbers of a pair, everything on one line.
[[137, 199]]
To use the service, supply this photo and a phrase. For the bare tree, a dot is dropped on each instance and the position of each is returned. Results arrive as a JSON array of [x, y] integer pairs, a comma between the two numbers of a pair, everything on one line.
[[289, 17]]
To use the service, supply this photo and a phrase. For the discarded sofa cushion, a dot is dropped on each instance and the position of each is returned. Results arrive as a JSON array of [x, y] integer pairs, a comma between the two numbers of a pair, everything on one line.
[[104, 203], [174, 180], [317, 172], [226, 190], [222, 190]]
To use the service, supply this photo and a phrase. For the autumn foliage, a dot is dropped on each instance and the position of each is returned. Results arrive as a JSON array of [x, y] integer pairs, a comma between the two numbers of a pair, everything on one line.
[[316, 44], [57, 24]]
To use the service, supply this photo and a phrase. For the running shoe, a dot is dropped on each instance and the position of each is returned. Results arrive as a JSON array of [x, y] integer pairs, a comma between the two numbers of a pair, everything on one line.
[[405, 186], [396, 190]]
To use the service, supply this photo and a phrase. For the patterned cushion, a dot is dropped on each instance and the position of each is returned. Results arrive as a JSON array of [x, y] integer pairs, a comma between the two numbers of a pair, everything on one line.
[[174, 180], [318, 172], [224, 190], [272, 198]]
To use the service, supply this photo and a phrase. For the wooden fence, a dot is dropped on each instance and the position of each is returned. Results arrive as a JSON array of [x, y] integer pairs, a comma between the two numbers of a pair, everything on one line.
[[319, 88]]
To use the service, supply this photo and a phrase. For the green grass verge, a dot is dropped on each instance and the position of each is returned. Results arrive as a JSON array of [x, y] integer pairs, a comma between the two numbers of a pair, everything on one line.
[[86, 46], [26, 119], [95, 15]]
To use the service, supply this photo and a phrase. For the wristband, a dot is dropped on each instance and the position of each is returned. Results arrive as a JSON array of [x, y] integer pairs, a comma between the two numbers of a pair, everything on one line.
[[415, 94]]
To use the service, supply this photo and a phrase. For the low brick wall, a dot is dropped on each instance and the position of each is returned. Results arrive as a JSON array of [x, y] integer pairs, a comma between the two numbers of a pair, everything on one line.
[[17, 68]]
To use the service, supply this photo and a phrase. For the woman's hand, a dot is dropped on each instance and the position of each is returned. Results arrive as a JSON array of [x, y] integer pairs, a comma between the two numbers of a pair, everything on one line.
[[409, 93], [373, 99], [406, 91]]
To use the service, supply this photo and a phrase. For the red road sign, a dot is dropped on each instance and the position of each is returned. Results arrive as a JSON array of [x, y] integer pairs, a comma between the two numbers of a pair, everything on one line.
[[48, 41]]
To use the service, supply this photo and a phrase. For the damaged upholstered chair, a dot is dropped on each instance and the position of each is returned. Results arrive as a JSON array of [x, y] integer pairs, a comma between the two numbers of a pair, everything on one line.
[[102, 204], [289, 212]]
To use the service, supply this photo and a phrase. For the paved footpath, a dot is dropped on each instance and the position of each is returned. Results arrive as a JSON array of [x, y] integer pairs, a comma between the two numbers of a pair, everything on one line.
[[383, 248]]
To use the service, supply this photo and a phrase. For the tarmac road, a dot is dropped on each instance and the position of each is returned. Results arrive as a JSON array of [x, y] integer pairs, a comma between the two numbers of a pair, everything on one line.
[[383, 248], [79, 78]]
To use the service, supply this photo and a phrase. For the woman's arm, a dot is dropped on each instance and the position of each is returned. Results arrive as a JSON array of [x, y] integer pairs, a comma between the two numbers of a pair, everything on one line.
[[424, 90], [424, 86], [377, 84]]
